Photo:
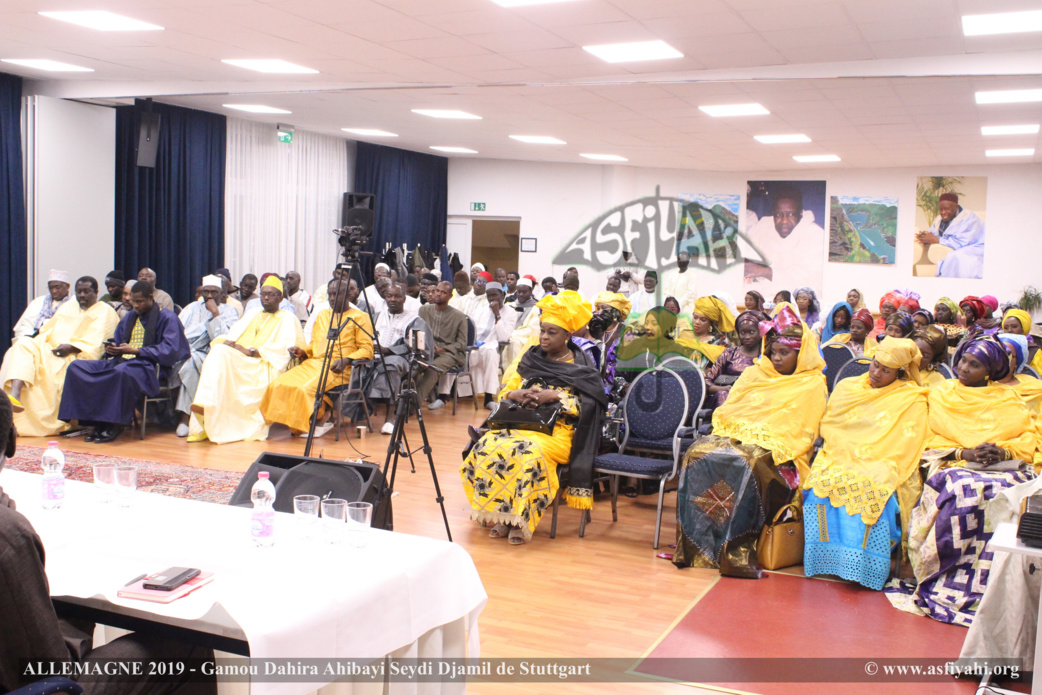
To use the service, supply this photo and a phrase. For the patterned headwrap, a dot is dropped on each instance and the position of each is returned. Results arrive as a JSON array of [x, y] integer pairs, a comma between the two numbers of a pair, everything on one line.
[[952, 306], [754, 317], [865, 317], [911, 303], [991, 302], [935, 337], [925, 313], [814, 305], [902, 321], [894, 298], [991, 354], [566, 309], [980, 309], [785, 328], [1017, 344], [900, 353], [614, 299], [759, 299], [716, 311], [1020, 315]]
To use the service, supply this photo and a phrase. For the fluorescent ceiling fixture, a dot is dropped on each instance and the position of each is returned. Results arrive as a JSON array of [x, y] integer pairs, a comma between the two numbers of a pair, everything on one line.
[[1001, 23], [1009, 129], [1009, 96], [1023, 152], [633, 52], [456, 150], [48, 65], [447, 113], [523, 3], [781, 139], [255, 108], [809, 158], [734, 110], [370, 132], [538, 139], [102, 20], [605, 157], [271, 66]]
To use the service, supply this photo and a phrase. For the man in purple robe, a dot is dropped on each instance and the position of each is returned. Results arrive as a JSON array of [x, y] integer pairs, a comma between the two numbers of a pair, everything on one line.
[[102, 394]]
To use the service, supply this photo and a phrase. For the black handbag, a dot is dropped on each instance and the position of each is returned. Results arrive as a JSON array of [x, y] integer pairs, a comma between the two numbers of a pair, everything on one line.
[[511, 415]]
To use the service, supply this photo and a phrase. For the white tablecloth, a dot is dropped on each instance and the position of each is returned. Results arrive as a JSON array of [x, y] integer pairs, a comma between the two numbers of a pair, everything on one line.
[[298, 599]]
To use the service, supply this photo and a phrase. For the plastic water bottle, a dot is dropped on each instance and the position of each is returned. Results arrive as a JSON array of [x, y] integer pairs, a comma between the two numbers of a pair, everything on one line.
[[262, 527], [53, 479]]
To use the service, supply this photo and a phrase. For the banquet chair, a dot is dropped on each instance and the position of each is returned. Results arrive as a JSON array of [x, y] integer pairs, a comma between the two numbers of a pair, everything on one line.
[[353, 392], [464, 371], [656, 406], [945, 370], [1028, 370], [855, 367], [50, 686], [165, 394], [562, 480], [836, 356]]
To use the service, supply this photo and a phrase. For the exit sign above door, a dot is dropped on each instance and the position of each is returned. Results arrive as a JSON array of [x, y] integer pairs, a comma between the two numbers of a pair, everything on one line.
[[477, 207]]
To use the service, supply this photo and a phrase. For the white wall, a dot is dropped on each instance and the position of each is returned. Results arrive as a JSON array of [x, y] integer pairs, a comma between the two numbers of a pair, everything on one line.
[[72, 191], [555, 201]]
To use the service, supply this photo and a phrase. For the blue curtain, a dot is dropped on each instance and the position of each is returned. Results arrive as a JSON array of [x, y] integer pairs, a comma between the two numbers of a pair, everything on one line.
[[171, 218], [13, 258], [412, 192]]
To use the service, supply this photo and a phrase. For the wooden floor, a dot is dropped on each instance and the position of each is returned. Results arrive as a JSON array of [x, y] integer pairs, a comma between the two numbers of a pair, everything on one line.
[[605, 595]]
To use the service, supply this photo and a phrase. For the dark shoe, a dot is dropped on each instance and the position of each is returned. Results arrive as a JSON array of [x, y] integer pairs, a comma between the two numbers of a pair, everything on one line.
[[92, 434], [109, 435]]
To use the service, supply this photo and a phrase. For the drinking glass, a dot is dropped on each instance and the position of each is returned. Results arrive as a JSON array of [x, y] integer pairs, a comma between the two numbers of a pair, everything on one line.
[[333, 514], [306, 508], [359, 518], [105, 481], [126, 484]]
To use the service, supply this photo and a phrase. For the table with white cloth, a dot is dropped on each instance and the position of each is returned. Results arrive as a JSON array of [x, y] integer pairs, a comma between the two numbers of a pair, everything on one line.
[[399, 595]]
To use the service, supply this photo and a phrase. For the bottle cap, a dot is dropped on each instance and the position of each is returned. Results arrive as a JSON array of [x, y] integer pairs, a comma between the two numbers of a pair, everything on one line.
[[263, 475], [54, 444]]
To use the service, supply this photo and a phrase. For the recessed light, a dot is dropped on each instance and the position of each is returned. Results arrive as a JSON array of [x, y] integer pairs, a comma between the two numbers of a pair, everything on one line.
[[538, 139], [605, 157], [255, 108], [723, 110], [1009, 129], [1009, 96], [48, 65], [1001, 23], [456, 150], [781, 139], [810, 158], [447, 113], [102, 20], [523, 3], [269, 65], [370, 132], [633, 52], [1022, 152]]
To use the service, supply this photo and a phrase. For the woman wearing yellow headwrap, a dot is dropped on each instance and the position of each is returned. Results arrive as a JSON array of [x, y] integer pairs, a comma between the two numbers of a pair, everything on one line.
[[976, 424], [618, 306], [510, 475], [866, 475], [1018, 321], [750, 467], [711, 323]]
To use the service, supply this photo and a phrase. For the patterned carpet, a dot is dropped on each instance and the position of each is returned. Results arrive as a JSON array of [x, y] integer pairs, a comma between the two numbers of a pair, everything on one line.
[[192, 483]]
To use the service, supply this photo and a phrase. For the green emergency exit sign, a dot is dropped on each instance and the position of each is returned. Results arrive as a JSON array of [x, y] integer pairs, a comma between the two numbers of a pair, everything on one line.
[[285, 136], [477, 207]]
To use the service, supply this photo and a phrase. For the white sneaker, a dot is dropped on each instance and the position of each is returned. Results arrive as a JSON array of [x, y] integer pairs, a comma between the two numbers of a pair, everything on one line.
[[436, 405], [182, 430], [322, 429], [491, 405], [388, 428]]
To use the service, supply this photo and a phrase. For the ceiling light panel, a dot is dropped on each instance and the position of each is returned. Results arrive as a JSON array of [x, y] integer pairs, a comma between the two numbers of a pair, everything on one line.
[[813, 158], [525, 3], [453, 150], [447, 113], [48, 65], [1021, 152], [1009, 129], [370, 132], [1002, 23], [255, 108], [1009, 96], [634, 52], [538, 139], [271, 66], [605, 157], [781, 139], [100, 20], [725, 110]]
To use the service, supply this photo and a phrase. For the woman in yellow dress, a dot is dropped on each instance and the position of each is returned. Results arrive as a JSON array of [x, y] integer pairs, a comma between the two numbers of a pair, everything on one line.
[[865, 480], [1027, 387], [752, 464], [981, 428], [712, 325], [933, 345], [510, 475], [858, 339]]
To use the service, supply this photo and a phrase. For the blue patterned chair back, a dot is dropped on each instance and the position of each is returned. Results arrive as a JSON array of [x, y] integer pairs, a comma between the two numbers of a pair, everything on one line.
[[1027, 370], [944, 370], [855, 367], [835, 357], [656, 405], [693, 379]]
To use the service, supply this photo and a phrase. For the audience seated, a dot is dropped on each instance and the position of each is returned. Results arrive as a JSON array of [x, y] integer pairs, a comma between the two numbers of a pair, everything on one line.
[[1018, 321], [449, 327], [298, 297], [526, 331], [712, 324], [724, 372], [933, 346], [646, 298], [651, 345], [43, 307], [836, 323], [859, 338], [391, 327], [247, 288], [114, 284], [33, 371], [159, 296]]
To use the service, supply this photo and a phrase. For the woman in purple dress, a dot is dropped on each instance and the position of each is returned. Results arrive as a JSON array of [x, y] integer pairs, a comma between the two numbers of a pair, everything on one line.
[[736, 359]]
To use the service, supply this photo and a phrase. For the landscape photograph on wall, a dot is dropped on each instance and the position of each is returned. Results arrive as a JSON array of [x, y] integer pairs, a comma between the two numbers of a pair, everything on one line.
[[862, 229]]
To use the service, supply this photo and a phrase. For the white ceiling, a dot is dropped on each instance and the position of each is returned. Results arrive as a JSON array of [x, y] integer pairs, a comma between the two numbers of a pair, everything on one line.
[[881, 83]]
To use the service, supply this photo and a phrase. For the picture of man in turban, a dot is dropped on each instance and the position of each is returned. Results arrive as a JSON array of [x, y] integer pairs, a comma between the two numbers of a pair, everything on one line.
[[960, 230]]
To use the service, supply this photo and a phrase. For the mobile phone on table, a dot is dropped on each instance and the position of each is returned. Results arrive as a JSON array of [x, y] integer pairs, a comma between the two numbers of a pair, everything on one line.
[[170, 578]]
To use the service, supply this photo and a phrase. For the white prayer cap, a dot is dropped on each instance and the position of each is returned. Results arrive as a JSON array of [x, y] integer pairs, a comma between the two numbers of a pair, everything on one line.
[[130, 284], [212, 281], [522, 282], [59, 276], [437, 272], [493, 286], [381, 265], [478, 266]]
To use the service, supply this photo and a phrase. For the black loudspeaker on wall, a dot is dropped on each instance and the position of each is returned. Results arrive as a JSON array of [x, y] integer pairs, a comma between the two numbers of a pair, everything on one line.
[[353, 201], [148, 138], [354, 481]]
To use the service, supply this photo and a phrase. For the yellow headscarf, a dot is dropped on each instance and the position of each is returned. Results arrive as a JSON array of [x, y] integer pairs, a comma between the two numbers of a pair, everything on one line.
[[781, 305], [964, 416], [614, 299], [717, 312], [566, 309], [273, 281], [860, 299], [900, 353], [1022, 316], [777, 412], [874, 440]]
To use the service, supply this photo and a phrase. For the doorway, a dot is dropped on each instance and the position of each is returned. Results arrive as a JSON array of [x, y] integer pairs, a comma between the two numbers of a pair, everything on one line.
[[494, 243]]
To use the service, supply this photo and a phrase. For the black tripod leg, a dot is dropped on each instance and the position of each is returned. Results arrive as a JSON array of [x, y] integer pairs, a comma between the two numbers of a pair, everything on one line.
[[434, 474]]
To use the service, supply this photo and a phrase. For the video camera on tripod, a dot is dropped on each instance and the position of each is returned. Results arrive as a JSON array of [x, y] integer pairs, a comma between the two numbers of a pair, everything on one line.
[[357, 220]]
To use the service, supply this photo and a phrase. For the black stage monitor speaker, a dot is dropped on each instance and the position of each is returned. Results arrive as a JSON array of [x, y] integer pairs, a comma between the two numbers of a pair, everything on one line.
[[148, 139], [352, 213], [354, 481]]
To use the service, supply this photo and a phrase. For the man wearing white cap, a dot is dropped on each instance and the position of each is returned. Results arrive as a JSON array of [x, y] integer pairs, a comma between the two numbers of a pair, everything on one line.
[[34, 369], [493, 324], [203, 320], [44, 306], [527, 325], [381, 270]]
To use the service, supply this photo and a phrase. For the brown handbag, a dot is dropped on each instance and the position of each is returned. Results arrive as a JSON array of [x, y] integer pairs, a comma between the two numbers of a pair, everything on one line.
[[781, 542]]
